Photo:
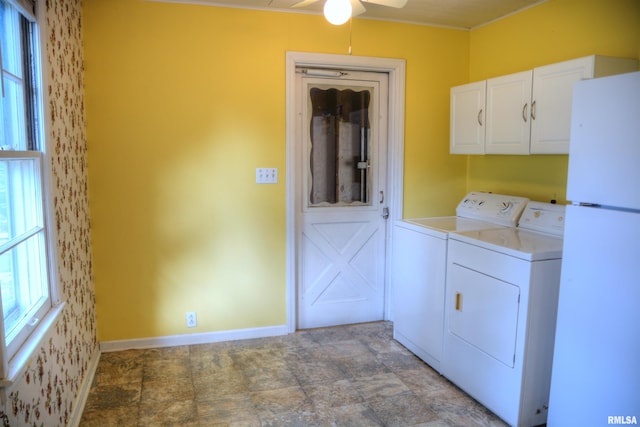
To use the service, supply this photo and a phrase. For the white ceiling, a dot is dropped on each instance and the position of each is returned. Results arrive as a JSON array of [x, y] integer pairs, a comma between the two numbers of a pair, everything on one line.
[[449, 13]]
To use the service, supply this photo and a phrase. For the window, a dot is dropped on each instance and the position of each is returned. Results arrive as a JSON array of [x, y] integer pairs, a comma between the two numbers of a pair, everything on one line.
[[25, 285], [339, 156]]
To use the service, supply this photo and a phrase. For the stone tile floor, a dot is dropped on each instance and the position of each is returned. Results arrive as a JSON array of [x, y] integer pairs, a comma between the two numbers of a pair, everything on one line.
[[354, 375]]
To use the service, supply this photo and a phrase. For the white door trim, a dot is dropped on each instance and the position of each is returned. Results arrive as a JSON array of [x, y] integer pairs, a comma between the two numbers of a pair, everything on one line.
[[396, 69]]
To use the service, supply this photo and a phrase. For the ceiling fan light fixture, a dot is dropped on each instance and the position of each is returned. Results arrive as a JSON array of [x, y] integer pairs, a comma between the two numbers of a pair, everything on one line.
[[337, 12]]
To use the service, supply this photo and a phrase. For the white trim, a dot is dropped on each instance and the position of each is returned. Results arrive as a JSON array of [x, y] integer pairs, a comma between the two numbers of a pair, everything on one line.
[[192, 339], [500, 18], [268, 8], [85, 388], [25, 8], [20, 361], [48, 189], [396, 68]]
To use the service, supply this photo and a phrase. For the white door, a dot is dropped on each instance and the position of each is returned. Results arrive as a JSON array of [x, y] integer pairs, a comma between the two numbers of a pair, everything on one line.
[[598, 318], [340, 197]]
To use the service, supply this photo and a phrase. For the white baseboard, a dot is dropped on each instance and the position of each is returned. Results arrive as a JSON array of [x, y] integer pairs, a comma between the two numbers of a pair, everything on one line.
[[85, 388], [191, 339]]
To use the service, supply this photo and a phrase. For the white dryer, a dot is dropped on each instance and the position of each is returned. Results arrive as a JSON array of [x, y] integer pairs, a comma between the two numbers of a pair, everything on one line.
[[500, 313], [418, 267]]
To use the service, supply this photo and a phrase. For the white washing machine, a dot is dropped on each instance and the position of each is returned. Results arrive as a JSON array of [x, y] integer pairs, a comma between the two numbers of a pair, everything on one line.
[[500, 313], [418, 267]]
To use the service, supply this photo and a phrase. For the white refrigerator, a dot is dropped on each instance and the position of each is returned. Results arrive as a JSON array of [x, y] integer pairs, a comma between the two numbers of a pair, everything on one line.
[[596, 366]]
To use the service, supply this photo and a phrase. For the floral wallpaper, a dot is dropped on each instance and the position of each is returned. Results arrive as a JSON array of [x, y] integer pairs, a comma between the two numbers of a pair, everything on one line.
[[46, 395]]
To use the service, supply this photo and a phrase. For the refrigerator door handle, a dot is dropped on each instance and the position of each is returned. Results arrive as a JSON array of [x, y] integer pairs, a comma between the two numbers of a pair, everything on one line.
[[589, 205]]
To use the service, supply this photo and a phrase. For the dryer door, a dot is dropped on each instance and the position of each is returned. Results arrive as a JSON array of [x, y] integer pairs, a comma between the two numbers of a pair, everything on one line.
[[485, 312]]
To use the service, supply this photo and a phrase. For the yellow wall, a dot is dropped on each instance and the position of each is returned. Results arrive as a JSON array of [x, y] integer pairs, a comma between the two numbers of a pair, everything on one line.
[[554, 31], [183, 103]]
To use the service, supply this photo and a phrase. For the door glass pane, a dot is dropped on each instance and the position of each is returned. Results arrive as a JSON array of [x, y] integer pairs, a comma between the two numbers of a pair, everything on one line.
[[340, 152]]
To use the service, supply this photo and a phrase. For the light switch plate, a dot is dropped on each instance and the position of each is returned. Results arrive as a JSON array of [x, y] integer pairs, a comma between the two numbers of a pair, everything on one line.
[[266, 175]]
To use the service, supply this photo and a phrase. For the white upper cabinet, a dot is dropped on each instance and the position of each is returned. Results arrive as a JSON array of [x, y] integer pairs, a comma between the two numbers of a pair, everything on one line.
[[552, 95], [508, 112], [527, 112], [467, 118]]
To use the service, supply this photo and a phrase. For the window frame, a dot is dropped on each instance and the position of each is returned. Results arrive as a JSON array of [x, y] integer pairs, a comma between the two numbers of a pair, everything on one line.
[[20, 183], [36, 111]]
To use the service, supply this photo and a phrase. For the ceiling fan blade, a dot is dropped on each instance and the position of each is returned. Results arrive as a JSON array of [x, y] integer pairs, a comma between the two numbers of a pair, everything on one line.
[[304, 3], [356, 7], [390, 3]]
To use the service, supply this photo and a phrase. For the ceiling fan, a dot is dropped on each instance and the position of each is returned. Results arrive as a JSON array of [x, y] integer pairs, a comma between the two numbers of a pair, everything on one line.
[[338, 12]]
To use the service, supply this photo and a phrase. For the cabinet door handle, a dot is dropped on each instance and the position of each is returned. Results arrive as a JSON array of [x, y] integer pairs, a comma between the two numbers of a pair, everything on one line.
[[480, 117], [458, 301], [524, 111], [533, 110]]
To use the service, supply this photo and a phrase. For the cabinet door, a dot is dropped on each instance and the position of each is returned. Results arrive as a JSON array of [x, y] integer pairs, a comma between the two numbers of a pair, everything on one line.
[[508, 111], [551, 104], [467, 118]]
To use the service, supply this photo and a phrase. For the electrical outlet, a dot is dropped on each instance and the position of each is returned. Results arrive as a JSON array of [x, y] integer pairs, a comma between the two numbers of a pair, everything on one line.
[[266, 175], [192, 320]]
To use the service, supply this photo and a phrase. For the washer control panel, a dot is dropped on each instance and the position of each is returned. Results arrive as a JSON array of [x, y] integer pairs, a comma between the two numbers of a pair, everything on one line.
[[496, 208]]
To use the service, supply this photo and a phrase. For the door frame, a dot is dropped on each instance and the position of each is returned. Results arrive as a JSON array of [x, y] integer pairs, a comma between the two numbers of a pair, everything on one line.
[[396, 69]]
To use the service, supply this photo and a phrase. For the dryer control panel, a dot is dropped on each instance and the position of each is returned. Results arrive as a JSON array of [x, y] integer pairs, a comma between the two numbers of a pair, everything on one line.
[[496, 208], [543, 217]]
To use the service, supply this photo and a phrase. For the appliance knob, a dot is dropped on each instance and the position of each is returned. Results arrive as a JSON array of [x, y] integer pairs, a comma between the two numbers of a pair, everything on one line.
[[506, 207]]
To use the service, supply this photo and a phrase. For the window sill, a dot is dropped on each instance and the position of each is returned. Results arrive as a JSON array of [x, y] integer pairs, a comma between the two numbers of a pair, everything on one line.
[[22, 358]]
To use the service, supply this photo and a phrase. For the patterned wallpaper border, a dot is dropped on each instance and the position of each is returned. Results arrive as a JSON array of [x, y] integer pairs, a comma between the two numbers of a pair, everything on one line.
[[48, 391]]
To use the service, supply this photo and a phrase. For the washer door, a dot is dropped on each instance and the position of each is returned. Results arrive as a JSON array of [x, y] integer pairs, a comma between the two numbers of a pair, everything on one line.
[[484, 312]]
